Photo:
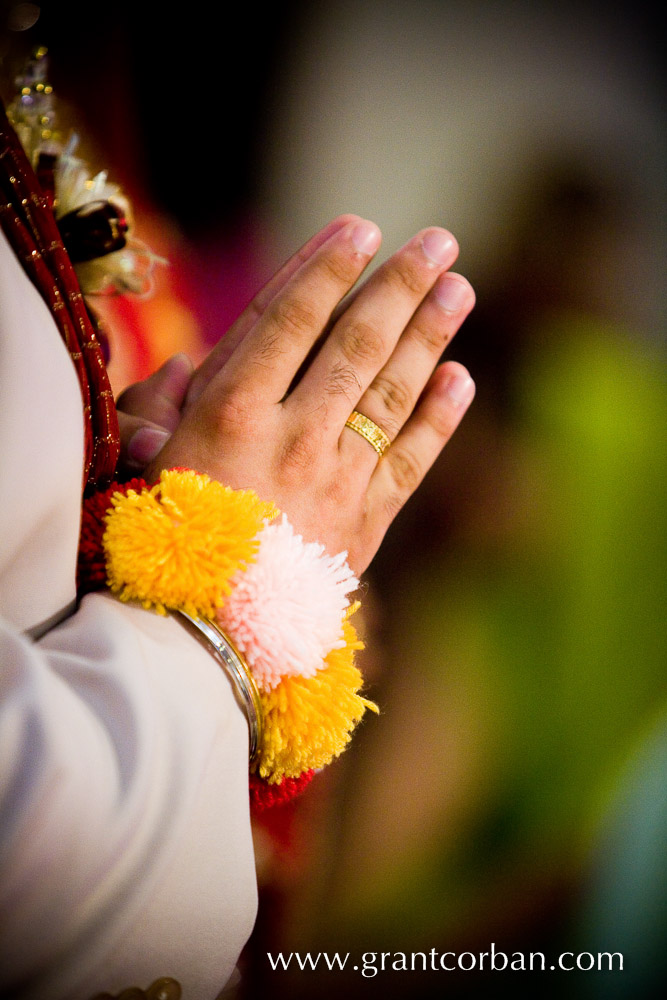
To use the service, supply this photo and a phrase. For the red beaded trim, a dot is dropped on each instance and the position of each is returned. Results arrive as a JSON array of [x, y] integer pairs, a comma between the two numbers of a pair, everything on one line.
[[264, 795], [91, 565], [30, 227]]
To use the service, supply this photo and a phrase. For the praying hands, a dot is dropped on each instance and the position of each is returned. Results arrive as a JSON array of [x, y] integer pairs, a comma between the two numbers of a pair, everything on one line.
[[270, 407]]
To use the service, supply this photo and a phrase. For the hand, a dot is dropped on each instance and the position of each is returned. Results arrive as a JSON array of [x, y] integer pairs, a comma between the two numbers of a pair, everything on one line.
[[149, 412], [267, 409]]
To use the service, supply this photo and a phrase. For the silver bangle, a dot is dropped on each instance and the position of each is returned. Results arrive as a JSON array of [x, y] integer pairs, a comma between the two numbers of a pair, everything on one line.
[[238, 672]]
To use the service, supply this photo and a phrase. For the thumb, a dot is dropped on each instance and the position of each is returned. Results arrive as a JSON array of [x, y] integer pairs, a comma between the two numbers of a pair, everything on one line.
[[158, 399], [140, 441]]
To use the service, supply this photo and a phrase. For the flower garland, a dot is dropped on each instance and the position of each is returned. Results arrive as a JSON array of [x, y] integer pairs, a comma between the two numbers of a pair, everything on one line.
[[72, 234], [190, 544], [94, 217]]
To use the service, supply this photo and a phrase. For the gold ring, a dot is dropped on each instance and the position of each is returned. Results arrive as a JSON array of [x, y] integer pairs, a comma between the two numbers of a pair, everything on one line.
[[368, 429]]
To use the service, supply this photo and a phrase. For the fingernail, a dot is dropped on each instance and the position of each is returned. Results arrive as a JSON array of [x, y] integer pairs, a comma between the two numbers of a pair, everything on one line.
[[451, 293], [438, 246], [366, 237], [460, 389], [145, 444]]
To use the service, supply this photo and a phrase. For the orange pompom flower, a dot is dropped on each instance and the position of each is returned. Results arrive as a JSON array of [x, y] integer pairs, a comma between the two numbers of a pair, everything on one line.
[[178, 544], [309, 720]]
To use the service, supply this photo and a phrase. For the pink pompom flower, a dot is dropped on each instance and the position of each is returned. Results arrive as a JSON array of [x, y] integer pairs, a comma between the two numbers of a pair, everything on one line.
[[285, 611]]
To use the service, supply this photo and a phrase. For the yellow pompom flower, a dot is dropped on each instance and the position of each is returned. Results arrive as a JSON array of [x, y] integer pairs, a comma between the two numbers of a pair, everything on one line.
[[309, 720], [178, 544]]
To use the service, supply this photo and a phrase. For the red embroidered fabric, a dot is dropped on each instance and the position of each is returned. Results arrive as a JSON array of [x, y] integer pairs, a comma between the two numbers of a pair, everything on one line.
[[30, 227]]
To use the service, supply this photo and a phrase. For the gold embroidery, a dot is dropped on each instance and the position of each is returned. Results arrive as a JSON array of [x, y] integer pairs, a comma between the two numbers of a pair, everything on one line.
[[162, 989]]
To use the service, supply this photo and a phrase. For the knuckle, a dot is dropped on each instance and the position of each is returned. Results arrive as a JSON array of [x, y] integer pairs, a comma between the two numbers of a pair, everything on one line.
[[408, 276], [299, 454], [336, 492], [269, 347], [129, 398], [340, 269], [343, 380], [394, 394], [362, 342], [294, 316], [406, 470], [433, 336], [232, 414], [393, 503]]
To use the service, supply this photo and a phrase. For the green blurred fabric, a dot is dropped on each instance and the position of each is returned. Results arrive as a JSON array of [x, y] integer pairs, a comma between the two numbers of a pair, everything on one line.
[[552, 640]]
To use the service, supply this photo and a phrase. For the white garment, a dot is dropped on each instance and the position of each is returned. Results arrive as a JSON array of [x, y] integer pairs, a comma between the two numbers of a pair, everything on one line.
[[125, 843]]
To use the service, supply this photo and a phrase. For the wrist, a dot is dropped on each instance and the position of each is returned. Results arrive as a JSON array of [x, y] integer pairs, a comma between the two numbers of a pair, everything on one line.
[[274, 609]]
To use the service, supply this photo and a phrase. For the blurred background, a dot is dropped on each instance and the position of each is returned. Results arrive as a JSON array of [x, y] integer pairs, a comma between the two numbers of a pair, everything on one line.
[[514, 789]]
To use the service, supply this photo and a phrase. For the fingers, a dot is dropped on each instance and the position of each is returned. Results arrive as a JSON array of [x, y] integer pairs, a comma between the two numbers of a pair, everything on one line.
[[273, 416], [140, 442], [402, 468], [230, 341], [392, 395], [159, 398], [266, 361], [366, 334], [149, 411]]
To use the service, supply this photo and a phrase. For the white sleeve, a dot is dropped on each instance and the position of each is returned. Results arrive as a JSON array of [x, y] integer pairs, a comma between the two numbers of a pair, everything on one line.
[[125, 844]]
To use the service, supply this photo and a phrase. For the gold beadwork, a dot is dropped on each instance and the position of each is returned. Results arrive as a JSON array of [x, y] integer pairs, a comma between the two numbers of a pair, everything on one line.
[[165, 988]]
